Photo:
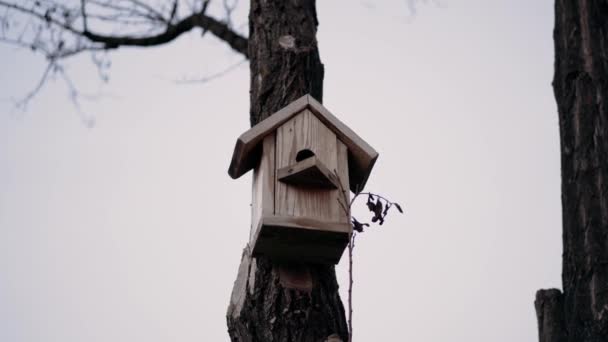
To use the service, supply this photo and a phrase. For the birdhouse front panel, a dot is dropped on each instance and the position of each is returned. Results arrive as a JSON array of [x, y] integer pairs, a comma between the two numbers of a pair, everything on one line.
[[302, 140]]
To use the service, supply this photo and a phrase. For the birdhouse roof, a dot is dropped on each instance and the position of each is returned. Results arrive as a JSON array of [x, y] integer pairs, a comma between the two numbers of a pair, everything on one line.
[[361, 156]]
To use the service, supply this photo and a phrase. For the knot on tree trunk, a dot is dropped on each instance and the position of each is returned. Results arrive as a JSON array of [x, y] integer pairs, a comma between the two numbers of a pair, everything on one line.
[[333, 338]]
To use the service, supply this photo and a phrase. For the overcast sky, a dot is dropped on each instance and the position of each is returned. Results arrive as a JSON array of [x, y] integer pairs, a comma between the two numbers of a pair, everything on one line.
[[130, 229]]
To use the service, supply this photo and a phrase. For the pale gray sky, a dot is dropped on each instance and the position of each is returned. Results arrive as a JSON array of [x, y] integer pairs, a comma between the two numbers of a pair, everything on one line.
[[132, 230]]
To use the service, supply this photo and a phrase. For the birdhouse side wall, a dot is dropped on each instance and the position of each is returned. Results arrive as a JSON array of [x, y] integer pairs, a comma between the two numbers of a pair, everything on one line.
[[262, 203], [343, 175], [306, 131]]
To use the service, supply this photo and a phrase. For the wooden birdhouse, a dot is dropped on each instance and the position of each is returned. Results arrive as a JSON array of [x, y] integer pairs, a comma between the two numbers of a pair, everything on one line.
[[304, 162]]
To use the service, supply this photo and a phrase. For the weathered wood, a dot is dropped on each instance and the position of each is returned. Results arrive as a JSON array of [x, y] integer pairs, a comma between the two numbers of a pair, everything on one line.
[[581, 92], [281, 73], [344, 207], [362, 156], [309, 173], [245, 155], [309, 223], [297, 221], [301, 239], [305, 131], [262, 203]]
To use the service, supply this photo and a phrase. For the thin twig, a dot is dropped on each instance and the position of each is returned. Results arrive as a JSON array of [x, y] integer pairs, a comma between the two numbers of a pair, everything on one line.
[[84, 15], [357, 227], [22, 103], [370, 194], [59, 31], [75, 97], [212, 76], [351, 247]]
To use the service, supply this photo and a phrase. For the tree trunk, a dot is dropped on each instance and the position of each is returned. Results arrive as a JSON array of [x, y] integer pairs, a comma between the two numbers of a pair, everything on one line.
[[580, 314], [549, 304], [265, 305]]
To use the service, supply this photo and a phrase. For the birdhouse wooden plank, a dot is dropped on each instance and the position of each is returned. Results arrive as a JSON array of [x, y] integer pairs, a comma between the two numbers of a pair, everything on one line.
[[308, 172], [262, 203], [305, 133], [304, 161], [362, 156]]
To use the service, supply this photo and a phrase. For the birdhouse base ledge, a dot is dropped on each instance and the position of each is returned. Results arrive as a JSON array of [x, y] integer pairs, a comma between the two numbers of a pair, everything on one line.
[[301, 239]]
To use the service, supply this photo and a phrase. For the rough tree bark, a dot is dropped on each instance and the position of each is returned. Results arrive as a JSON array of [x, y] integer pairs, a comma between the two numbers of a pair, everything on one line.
[[580, 313], [285, 64]]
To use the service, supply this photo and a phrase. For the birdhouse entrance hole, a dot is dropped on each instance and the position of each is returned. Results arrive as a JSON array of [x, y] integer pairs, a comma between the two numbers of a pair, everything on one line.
[[304, 154], [308, 171]]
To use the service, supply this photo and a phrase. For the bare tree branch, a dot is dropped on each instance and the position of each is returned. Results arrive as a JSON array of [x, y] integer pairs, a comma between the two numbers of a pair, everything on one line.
[[213, 76], [228, 9], [59, 30], [84, 15], [173, 28], [219, 29], [152, 10], [135, 11], [46, 17], [22, 103]]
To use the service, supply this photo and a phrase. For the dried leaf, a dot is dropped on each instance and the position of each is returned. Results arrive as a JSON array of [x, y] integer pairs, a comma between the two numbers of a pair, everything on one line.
[[371, 206], [398, 207], [378, 209], [358, 226]]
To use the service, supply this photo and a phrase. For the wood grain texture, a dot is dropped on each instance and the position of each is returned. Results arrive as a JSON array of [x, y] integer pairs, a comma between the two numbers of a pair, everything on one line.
[[362, 156], [307, 223], [301, 239], [244, 157], [305, 131], [344, 194], [308, 173], [262, 203]]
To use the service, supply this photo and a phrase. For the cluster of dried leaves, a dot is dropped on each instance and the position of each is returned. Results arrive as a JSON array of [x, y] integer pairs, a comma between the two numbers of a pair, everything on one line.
[[379, 206]]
